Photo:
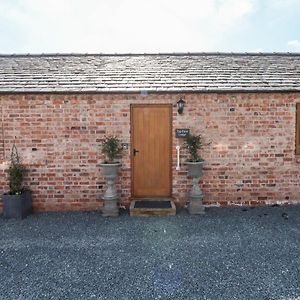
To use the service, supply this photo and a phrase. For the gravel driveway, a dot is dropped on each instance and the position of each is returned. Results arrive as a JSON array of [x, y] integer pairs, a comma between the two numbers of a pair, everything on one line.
[[226, 254]]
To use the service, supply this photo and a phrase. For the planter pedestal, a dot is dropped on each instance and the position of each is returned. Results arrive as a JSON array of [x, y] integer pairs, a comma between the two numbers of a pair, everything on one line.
[[195, 196], [110, 197], [110, 208], [195, 206]]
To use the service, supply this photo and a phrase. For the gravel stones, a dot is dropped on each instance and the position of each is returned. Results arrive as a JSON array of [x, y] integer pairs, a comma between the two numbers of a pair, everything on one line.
[[229, 253]]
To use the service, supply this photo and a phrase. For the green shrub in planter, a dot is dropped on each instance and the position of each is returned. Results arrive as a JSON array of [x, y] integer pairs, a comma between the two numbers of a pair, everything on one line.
[[17, 203], [194, 143], [111, 148]]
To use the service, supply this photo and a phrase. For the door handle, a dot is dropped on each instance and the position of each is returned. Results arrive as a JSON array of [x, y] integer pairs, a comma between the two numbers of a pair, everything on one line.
[[135, 151], [178, 158]]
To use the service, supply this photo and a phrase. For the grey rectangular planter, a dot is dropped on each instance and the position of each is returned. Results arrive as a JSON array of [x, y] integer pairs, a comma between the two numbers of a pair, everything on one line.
[[17, 206]]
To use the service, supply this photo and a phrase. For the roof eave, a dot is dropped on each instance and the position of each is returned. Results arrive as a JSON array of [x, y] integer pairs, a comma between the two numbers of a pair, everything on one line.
[[150, 91]]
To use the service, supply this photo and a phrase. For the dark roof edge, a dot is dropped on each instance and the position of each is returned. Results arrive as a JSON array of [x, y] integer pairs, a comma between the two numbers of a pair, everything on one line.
[[155, 54], [278, 91]]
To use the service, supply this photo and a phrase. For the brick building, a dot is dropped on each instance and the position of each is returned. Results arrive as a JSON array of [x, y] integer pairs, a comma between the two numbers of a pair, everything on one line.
[[58, 108]]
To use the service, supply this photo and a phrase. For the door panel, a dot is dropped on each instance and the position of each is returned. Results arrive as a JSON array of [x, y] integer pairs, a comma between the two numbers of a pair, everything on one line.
[[151, 137]]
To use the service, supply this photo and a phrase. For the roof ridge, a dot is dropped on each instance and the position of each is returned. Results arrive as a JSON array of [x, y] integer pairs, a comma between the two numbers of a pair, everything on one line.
[[153, 54]]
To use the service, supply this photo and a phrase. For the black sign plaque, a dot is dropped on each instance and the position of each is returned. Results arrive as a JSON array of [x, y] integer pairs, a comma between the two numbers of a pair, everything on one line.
[[182, 132]]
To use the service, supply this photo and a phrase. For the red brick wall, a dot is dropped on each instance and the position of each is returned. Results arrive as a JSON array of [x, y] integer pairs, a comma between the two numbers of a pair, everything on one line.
[[251, 159]]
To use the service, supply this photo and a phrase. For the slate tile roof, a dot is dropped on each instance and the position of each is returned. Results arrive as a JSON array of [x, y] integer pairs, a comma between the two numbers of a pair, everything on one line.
[[186, 72]]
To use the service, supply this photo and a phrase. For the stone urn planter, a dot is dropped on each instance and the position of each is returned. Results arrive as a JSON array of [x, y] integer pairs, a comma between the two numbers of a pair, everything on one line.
[[193, 143], [110, 197], [112, 149], [195, 196]]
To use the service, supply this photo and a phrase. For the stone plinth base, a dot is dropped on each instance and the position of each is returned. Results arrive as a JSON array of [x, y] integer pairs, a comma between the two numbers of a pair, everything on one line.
[[195, 207], [110, 208]]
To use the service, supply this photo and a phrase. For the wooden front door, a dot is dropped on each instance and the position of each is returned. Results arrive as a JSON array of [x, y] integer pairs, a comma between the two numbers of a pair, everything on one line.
[[151, 152]]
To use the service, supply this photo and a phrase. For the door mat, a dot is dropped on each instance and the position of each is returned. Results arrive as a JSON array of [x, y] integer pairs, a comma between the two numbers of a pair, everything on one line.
[[152, 207], [152, 204]]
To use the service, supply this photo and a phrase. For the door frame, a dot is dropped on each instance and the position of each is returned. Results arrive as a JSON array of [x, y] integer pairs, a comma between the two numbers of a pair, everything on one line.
[[132, 106]]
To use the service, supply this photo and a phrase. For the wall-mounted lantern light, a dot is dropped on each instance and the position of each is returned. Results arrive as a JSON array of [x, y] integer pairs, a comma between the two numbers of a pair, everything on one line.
[[180, 106]]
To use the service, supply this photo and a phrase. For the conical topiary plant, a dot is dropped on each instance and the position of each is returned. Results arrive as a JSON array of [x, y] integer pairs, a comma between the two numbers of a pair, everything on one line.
[[16, 173]]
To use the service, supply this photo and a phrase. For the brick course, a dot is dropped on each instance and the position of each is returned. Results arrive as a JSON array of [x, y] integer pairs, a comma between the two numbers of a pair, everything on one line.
[[251, 160]]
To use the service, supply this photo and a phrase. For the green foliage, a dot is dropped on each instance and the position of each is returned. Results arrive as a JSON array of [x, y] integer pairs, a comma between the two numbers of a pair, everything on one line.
[[194, 143], [112, 148], [16, 172]]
